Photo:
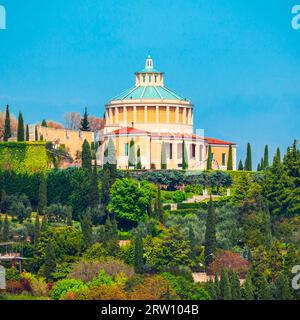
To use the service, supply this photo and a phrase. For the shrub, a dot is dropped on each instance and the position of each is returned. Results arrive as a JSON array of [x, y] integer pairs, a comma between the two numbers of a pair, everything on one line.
[[38, 285], [179, 196], [62, 287], [95, 252], [196, 189]]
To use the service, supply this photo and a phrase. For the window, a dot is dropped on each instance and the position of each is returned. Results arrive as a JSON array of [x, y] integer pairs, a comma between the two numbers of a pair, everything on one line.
[[212, 156], [150, 78], [223, 159], [155, 78], [193, 151], [126, 149], [144, 79]]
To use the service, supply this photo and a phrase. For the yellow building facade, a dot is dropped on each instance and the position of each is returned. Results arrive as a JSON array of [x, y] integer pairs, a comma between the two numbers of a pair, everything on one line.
[[160, 123]]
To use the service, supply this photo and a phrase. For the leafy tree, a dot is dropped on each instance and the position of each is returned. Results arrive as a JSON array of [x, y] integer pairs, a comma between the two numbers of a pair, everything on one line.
[[230, 162], [138, 254], [266, 221], [20, 132], [7, 128], [248, 288], [139, 163], [225, 290], [210, 234], [86, 156], [266, 157], [163, 165], [220, 179], [235, 286], [240, 166], [42, 195], [50, 262], [283, 290], [44, 123], [27, 132], [131, 158], [85, 125], [248, 161], [185, 160], [265, 289], [209, 158]]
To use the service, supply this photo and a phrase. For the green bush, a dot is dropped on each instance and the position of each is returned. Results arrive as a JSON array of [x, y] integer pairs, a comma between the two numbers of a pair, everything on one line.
[[179, 196], [195, 189], [62, 287]]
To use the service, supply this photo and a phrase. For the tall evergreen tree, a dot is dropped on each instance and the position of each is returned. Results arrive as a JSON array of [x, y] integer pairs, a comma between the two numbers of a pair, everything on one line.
[[230, 162], [283, 289], [37, 230], [87, 228], [266, 224], [248, 292], [235, 286], [5, 229], [69, 217], [138, 254], [139, 162], [225, 290], [44, 124], [210, 234], [211, 288], [163, 165], [86, 156], [248, 162], [158, 207], [36, 136], [185, 160], [258, 168], [94, 192], [85, 125], [240, 166], [131, 157], [217, 285], [27, 132], [50, 262], [20, 132], [42, 195], [262, 164], [209, 158], [108, 179], [278, 155], [44, 224], [266, 157], [110, 153], [7, 128]]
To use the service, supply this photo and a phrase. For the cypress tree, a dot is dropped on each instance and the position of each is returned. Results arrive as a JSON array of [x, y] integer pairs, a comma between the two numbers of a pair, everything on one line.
[[266, 223], [138, 254], [235, 286], [266, 157], [225, 291], [7, 129], [185, 163], [86, 228], [283, 290], [240, 167], [69, 217], [163, 165], [27, 132], [36, 136], [217, 286], [85, 125], [44, 224], [86, 156], [211, 288], [258, 168], [20, 132], [209, 158], [248, 162], [44, 123], [158, 207], [5, 229], [108, 179], [131, 158], [37, 230], [110, 153], [50, 262], [42, 195], [262, 164], [278, 155], [248, 288], [41, 137], [138, 155], [94, 192], [230, 162], [210, 234]]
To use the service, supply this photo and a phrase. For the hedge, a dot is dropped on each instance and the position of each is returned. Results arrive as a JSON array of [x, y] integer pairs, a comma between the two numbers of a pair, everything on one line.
[[23, 157], [218, 202]]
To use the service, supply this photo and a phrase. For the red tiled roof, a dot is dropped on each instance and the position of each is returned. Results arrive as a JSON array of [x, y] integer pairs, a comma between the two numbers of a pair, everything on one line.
[[128, 130], [215, 141]]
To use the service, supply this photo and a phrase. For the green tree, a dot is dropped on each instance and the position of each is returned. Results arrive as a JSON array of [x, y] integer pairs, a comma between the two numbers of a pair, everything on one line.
[[209, 158], [266, 157], [258, 168], [85, 125], [235, 286], [240, 166], [131, 158], [278, 155], [69, 217], [217, 286], [163, 165], [94, 191], [283, 290], [50, 262], [36, 136], [44, 123], [225, 290], [158, 207], [248, 161], [20, 132], [37, 230], [5, 229], [27, 132], [248, 292], [138, 155], [265, 289], [42, 194], [185, 160], [210, 234], [87, 228], [266, 224], [230, 162], [262, 164], [110, 153], [86, 156], [138, 254], [7, 128]]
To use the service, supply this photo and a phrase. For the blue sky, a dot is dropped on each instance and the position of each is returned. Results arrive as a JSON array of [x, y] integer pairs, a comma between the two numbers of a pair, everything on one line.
[[237, 61]]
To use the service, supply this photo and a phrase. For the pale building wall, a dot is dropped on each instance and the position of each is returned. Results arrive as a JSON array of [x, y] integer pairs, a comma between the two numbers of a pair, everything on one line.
[[218, 151]]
